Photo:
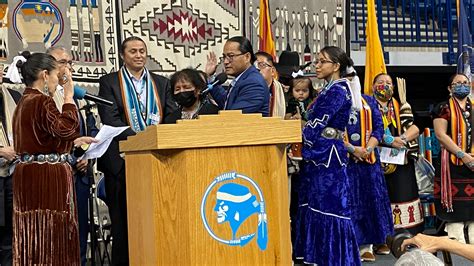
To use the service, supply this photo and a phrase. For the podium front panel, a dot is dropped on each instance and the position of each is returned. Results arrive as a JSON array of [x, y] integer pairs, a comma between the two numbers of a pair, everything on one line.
[[209, 206]]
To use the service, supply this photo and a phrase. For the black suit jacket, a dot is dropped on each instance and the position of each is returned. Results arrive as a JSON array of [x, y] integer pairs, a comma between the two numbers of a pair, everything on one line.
[[111, 162]]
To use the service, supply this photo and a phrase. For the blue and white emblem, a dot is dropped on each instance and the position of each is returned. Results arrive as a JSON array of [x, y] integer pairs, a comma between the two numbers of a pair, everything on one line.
[[234, 204]]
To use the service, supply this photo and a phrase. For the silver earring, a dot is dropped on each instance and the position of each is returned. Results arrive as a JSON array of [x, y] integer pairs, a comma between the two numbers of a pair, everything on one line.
[[45, 88]]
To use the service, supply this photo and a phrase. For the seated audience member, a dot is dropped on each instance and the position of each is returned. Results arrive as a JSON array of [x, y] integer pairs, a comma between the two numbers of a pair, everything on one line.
[[187, 86]]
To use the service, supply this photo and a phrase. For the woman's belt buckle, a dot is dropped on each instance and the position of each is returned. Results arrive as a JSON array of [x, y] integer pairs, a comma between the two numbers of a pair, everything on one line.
[[45, 158], [331, 133]]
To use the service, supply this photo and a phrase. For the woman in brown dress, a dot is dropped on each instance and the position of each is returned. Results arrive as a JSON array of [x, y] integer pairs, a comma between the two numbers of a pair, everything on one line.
[[44, 217]]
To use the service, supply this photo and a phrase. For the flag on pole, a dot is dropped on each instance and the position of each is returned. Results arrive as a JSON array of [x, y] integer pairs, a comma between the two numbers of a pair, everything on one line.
[[374, 62], [267, 43], [465, 54]]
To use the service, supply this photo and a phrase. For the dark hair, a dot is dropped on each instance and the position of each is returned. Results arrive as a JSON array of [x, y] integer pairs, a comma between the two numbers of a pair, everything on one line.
[[129, 39], [192, 75], [378, 75], [296, 80], [34, 64], [266, 55], [244, 46], [337, 55], [451, 79]]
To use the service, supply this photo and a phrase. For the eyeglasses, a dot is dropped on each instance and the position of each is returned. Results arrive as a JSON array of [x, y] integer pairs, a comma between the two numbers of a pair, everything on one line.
[[460, 83], [261, 65], [322, 62], [230, 57], [65, 62]]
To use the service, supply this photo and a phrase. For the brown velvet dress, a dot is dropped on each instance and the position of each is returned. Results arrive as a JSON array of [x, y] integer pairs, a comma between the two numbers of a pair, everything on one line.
[[45, 229]]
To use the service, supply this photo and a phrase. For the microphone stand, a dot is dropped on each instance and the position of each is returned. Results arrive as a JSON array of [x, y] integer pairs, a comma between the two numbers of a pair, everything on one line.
[[92, 187], [204, 99]]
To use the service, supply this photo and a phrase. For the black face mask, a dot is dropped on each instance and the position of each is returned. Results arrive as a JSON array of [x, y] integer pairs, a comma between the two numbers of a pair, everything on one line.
[[185, 99]]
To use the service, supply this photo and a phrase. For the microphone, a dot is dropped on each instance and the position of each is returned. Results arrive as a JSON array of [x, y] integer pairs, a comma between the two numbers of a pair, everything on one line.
[[77, 153], [220, 79], [80, 150], [80, 93]]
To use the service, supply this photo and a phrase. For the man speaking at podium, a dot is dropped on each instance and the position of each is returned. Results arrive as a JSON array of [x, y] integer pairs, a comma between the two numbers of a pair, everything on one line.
[[248, 91], [140, 99]]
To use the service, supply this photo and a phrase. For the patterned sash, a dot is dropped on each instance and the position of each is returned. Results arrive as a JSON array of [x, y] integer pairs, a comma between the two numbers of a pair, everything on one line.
[[365, 116], [137, 118], [401, 119], [459, 129], [392, 116], [366, 128]]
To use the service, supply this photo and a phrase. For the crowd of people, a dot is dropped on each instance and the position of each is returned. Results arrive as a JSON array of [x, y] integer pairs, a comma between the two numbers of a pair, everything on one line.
[[344, 201]]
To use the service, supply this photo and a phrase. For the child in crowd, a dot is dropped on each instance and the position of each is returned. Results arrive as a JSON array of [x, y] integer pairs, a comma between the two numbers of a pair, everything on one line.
[[301, 95]]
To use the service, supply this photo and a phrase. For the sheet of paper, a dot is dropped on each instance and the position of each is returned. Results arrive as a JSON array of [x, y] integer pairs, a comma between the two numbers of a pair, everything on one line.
[[105, 137], [393, 156]]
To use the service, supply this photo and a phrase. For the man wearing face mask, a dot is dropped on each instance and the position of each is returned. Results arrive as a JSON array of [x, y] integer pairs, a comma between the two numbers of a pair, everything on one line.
[[187, 86], [400, 135], [140, 99], [453, 124]]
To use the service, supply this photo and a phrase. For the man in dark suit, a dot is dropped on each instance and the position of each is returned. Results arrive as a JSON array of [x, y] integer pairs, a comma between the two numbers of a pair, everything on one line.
[[248, 91], [82, 169], [130, 90]]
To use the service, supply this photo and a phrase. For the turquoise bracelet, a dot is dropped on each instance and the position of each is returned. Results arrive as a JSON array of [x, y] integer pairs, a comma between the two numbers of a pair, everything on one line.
[[388, 139]]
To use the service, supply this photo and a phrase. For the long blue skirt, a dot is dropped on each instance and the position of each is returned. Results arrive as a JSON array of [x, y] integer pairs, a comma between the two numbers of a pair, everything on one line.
[[324, 231], [370, 204]]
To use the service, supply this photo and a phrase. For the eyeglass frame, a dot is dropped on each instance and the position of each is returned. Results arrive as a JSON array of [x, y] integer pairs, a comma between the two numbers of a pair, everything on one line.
[[256, 64], [459, 83], [64, 62], [230, 58], [322, 62]]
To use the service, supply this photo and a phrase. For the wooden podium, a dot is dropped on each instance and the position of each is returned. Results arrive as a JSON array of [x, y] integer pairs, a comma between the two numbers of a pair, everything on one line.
[[173, 193]]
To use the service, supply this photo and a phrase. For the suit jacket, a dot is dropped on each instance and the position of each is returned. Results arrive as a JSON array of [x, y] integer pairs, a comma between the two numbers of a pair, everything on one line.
[[109, 89], [249, 94]]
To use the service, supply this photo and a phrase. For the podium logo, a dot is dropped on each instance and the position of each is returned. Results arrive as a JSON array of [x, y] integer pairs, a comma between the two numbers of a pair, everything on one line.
[[234, 205]]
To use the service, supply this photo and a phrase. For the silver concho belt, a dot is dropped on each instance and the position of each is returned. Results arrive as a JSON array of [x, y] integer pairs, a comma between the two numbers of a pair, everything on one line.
[[332, 133], [45, 158]]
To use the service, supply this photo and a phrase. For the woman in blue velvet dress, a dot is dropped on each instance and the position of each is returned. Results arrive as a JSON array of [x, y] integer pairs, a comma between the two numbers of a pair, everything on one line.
[[324, 230], [370, 204]]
